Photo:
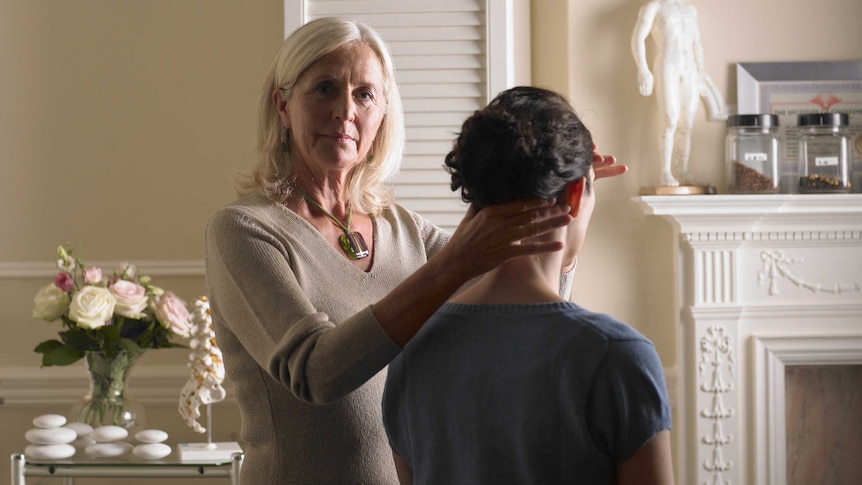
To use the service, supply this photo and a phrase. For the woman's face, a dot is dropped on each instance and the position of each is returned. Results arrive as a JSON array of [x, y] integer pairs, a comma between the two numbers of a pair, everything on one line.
[[335, 109]]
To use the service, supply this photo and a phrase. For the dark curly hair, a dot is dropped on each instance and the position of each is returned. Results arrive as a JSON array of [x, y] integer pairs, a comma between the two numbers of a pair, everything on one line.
[[528, 142]]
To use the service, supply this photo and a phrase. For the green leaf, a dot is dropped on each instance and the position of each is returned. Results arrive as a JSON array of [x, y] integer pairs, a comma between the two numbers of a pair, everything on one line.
[[79, 339], [113, 331], [128, 345], [48, 346], [63, 355]]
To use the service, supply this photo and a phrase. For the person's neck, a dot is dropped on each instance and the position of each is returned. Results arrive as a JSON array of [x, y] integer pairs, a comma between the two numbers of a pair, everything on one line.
[[325, 189], [527, 279]]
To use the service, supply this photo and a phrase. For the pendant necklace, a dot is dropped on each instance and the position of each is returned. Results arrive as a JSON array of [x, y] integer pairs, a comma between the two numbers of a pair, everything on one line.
[[352, 243]]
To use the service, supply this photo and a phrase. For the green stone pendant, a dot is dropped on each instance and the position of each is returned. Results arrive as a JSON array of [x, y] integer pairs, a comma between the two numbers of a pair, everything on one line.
[[354, 245]]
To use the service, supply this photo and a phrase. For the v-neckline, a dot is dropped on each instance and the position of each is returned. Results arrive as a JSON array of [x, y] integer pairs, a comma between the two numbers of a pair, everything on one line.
[[335, 252]]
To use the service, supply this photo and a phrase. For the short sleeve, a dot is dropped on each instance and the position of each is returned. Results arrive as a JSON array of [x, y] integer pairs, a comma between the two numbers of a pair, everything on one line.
[[628, 402]]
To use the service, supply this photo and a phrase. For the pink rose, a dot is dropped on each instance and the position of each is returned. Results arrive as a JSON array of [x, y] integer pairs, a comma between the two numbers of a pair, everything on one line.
[[92, 276], [172, 313], [64, 282], [131, 298]]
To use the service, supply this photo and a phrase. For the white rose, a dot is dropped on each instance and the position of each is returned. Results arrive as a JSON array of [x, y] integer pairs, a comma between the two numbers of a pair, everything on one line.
[[50, 303], [171, 312], [92, 307], [131, 298]]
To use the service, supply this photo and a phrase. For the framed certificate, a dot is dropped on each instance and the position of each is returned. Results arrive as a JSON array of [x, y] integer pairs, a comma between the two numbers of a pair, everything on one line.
[[789, 89]]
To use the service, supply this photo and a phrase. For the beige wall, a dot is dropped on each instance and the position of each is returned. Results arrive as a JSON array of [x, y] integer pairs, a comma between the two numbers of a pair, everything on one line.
[[582, 48], [123, 121], [121, 125]]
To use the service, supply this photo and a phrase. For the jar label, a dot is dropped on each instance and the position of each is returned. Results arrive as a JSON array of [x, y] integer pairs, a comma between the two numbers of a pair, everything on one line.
[[825, 161], [755, 157]]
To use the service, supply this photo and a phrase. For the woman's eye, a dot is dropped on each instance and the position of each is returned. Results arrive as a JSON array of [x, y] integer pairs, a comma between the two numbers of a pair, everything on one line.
[[365, 95], [324, 88]]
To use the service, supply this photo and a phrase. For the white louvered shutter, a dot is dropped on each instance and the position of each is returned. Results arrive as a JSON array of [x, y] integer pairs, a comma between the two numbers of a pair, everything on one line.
[[450, 57]]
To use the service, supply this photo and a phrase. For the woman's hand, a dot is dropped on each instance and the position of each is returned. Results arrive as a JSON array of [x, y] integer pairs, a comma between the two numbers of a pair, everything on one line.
[[489, 237], [483, 241], [605, 165]]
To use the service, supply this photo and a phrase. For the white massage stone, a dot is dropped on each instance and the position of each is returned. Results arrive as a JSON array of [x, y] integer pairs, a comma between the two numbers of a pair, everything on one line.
[[50, 436], [108, 450], [152, 451], [83, 442], [49, 421], [151, 436], [81, 429], [109, 433], [49, 452]]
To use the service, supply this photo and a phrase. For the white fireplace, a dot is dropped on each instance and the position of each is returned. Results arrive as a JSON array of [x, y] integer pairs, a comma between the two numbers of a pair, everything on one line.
[[764, 282]]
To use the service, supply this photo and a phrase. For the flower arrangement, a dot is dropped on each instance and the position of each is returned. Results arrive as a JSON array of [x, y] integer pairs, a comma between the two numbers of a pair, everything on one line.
[[120, 314]]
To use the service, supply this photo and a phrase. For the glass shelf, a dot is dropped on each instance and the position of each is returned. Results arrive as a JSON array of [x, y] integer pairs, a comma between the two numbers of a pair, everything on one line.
[[127, 466]]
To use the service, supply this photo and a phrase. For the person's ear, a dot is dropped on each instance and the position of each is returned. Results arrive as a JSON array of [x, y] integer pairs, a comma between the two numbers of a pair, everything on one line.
[[281, 107], [574, 194]]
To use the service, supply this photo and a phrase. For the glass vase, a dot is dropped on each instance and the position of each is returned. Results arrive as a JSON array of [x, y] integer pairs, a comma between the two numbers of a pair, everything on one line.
[[108, 402]]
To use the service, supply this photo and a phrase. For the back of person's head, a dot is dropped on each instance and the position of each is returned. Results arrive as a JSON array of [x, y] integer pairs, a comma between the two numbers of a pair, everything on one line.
[[305, 46], [528, 142]]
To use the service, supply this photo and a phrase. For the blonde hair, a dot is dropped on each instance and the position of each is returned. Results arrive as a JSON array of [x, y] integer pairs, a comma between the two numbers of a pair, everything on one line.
[[368, 191]]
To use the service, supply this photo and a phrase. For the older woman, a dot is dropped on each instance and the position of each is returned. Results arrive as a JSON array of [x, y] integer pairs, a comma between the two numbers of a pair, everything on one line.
[[316, 279]]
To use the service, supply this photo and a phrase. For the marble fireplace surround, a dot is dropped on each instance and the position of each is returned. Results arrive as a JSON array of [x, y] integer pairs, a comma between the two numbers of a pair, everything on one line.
[[763, 282]]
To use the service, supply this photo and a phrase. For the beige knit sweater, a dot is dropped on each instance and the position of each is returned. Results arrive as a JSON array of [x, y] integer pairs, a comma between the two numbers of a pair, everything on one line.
[[302, 349]]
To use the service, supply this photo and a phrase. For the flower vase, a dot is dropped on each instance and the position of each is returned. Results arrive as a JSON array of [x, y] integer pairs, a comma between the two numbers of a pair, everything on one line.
[[108, 402]]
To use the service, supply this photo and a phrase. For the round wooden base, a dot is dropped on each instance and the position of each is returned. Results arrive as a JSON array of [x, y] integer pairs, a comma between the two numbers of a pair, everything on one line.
[[678, 190]]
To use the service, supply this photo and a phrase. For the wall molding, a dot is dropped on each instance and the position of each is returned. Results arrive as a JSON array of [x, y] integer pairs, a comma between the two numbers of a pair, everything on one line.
[[34, 386], [179, 267], [835, 236]]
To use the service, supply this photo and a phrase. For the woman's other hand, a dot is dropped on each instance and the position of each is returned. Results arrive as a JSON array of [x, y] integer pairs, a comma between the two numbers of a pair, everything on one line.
[[605, 165], [483, 241]]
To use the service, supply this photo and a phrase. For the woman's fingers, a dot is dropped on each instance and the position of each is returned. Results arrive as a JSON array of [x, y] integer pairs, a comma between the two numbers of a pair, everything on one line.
[[517, 208], [527, 218], [605, 165], [610, 171], [501, 232]]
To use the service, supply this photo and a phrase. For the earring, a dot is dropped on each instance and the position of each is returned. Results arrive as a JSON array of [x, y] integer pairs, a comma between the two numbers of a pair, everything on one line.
[[370, 158], [285, 135]]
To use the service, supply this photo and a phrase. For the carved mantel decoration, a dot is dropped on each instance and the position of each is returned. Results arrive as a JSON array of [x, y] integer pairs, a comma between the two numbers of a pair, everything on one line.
[[756, 271]]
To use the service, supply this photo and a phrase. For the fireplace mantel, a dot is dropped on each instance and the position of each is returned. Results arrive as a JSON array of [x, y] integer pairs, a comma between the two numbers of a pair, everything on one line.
[[757, 274]]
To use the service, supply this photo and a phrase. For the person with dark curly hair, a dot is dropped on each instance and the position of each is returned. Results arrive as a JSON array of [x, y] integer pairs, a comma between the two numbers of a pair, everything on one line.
[[509, 382]]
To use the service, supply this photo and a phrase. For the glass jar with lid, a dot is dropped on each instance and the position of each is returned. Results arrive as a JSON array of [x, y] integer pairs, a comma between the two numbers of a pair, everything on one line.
[[751, 153], [824, 153]]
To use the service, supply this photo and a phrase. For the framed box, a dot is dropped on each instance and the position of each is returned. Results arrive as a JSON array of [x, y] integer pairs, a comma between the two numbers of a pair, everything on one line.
[[789, 89]]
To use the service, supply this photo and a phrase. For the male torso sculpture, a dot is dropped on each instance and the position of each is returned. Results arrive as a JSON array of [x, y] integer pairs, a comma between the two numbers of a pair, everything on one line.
[[679, 80]]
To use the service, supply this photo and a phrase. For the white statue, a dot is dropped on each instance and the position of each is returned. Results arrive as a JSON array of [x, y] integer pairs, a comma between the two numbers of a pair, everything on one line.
[[680, 80], [205, 384]]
